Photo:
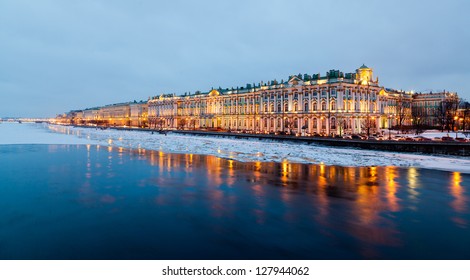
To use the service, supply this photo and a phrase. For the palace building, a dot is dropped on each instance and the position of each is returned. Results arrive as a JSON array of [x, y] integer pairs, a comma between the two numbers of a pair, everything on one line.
[[336, 103]]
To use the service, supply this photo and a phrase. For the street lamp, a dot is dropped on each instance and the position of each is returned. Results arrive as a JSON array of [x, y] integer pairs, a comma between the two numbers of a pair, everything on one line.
[[456, 128]]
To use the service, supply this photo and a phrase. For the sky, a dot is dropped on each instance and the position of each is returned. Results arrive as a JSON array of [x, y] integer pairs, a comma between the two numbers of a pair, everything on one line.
[[56, 56]]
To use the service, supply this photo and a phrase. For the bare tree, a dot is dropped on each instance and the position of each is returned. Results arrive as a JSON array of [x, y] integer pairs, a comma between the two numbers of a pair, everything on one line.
[[447, 111], [419, 119], [465, 107], [182, 122], [368, 124], [341, 122], [403, 106], [192, 123], [160, 122]]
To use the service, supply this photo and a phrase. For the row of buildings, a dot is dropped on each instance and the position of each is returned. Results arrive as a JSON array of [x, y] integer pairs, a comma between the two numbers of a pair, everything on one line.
[[337, 103]]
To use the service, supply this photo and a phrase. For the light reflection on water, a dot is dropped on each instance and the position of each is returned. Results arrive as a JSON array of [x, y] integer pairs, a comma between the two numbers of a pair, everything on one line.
[[208, 207]]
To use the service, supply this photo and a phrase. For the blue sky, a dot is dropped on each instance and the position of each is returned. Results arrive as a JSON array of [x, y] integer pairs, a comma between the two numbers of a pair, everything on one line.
[[61, 55]]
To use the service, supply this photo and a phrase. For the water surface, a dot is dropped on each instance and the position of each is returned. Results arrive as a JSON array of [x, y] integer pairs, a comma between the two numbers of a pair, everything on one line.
[[96, 202]]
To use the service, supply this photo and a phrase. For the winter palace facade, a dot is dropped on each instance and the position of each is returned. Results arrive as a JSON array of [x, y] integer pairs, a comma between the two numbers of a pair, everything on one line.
[[334, 104], [337, 103]]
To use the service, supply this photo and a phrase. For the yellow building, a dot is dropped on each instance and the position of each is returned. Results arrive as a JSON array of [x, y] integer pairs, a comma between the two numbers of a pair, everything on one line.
[[115, 114], [333, 104], [139, 114]]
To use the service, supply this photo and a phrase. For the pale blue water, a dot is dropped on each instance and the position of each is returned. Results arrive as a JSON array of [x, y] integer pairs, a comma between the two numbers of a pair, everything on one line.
[[91, 202]]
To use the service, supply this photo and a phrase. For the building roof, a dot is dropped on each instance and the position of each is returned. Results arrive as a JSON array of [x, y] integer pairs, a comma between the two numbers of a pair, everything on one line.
[[364, 67]]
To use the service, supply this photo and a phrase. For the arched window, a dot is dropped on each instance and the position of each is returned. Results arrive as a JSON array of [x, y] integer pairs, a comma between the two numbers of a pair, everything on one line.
[[272, 123], [306, 107], [314, 106], [286, 107], [323, 106], [279, 122], [295, 107], [271, 107], [333, 123], [265, 107], [333, 105], [314, 122], [279, 108]]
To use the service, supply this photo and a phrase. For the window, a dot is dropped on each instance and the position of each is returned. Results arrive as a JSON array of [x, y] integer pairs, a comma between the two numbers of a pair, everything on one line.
[[279, 107], [306, 107], [314, 122], [323, 106], [286, 107], [314, 106], [333, 123], [333, 105]]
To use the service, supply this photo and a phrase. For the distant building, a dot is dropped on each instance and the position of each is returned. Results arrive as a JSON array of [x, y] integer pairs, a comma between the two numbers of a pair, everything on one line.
[[429, 104], [115, 114], [139, 114]]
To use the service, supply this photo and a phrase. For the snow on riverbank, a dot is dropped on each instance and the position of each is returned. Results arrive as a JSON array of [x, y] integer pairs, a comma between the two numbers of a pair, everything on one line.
[[237, 149], [265, 150]]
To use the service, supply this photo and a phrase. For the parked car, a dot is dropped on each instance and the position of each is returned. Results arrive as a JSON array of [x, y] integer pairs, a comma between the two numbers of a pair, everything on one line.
[[438, 139], [421, 138], [447, 138], [347, 137], [356, 137], [461, 139]]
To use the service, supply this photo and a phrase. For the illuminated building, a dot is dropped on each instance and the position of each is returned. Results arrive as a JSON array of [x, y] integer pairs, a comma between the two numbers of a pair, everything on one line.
[[337, 103], [138, 114]]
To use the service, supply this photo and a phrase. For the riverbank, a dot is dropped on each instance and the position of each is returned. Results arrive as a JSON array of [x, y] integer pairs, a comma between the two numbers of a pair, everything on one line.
[[261, 148], [430, 147]]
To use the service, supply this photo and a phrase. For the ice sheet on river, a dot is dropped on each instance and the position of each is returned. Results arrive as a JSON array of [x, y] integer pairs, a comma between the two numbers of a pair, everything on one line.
[[263, 150]]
